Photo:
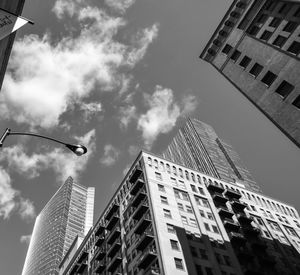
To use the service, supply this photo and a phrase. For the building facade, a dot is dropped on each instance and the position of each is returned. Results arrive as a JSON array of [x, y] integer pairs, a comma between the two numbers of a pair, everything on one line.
[[16, 7], [257, 48], [168, 219], [68, 213], [197, 145]]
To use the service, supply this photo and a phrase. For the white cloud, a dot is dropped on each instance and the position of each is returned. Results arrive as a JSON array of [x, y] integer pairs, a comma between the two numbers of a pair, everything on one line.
[[119, 5], [133, 150], [25, 239], [90, 109], [111, 155], [126, 115], [163, 113], [47, 75], [61, 160], [161, 116], [26, 209]]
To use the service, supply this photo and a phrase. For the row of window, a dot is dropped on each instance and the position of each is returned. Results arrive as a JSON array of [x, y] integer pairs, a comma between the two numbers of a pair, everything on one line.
[[284, 8], [284, 88]]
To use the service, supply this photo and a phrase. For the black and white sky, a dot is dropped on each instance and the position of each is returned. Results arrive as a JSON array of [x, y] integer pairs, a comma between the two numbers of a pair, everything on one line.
[[117, 76]]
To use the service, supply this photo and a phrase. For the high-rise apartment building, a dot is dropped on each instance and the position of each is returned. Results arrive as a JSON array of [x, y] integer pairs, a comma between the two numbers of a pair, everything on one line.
[[16, 7], [196, 145], [169, 219], [256, 47], [68, 213]]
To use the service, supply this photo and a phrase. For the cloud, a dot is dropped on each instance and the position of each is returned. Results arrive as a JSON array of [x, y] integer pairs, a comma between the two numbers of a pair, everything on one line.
[[26, 209], [126, 115], [46, 74], [111, 155], [63, 162], [120, 5], [163, 113], [25, 239], [90, 109], [133, 150]]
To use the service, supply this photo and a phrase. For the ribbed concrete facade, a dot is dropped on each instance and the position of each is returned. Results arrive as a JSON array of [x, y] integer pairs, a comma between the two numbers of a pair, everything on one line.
[[180, 221], [61, 220], [257, 48], [197, 145]]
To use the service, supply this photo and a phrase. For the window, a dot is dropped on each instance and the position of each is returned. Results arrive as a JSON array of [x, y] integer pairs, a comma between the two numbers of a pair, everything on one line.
[[194, 251], [296, 102], [201, 190], [161, 188], [168, 168], [194, 188], [193, 222], [215, 229], [167, 213], [180, 206], [158, 176], [203, 254], [185, 196], [178, 263], [206, 226], [297, 13], [202, 213], [210, 216], [174, 245], [181, 184], [284, 89], [189, 209], [279, 41], [266, 35], [245, 62], [275, 22], [290, 26], [174, 181], [184, 220], [284, 9], [170, 228], [199, 269], [262, 18], [270, 5], [294, 48], [235, 56], [163, 199], [209, 271], [205, 203], [256, 69], [227, 48], [227, 260], [253, 30], [269, 78]]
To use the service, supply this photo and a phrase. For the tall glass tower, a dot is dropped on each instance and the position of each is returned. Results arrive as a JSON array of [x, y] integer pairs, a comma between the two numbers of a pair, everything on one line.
[[197, 146], [68, 213]]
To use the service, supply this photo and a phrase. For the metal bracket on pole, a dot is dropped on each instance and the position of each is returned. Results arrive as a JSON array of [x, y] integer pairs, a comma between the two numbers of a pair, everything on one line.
[[6, 133]]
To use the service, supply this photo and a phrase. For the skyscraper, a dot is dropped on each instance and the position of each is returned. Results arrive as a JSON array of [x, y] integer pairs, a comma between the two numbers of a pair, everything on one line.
[[68, 213], [14, 6], [171, 220], [196, 145], [256, 47]]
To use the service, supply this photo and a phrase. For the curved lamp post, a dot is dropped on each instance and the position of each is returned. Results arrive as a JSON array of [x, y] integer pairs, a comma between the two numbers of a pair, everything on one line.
[[78, 149]]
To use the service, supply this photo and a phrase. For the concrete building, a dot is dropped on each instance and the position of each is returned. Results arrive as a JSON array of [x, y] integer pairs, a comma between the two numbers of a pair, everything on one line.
[[197, 145], [180, 221], [16, 7], [67, 214], [256, 47]]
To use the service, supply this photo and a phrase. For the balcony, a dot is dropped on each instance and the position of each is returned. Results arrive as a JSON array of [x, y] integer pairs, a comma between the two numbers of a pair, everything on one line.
[[136, 186], [219, 198], [231, 225], [237, 238], [114, 262], [111, 211], [100, 267], [100, 230], [145, 240], [114, 248], [114, 235], [143, 223], [141, 195], [100, 254], [232, 194], [82, 268], [135, 175], [82, 257], [153, 270], [141, 209], [251, 231], [238, 205], [244, 219], [147, 258], [111, 223], [100, 240], [214, 188], [224, 212], [74, 269]]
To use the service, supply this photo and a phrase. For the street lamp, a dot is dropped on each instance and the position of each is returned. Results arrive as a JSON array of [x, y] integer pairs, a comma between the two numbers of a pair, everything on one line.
[[78, 149]]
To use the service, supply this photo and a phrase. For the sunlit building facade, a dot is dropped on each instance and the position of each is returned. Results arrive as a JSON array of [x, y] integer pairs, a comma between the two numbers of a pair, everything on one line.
[[68, 214], [197, 145], [256, 47], [169, 219]]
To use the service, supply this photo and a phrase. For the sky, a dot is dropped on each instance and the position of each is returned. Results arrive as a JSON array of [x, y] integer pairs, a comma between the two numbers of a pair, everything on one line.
[[117, 76]]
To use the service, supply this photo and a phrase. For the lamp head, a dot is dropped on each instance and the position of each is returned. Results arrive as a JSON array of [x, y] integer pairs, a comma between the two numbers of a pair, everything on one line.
[[78, 149]]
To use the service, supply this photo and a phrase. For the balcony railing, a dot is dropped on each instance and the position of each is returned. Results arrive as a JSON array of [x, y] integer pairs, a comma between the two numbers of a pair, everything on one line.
[[135, 174], [141, 195], [225, 212], [232, 194], [115, 233], [113, 220], [231, 225], [214, 188], [238, 205], [114, 262], [114, 248], [141, 209], [136, 186], [147, 258], [83, 266], [115, 207], [244, 219], [145, 240], [100, 230], [237, 237], [100, 266], [153, 270], [83, 256], [143, 223], [100, 240], [219, 198], [100, 253]]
